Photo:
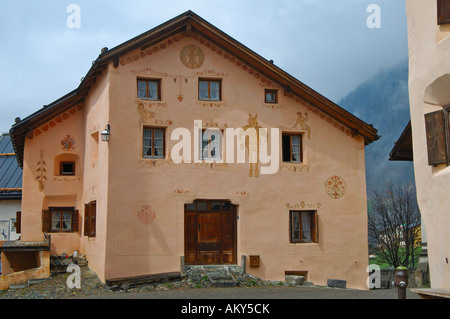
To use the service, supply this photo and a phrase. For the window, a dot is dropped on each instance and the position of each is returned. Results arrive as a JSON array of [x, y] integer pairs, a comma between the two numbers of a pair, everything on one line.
[[90, 215], [211, 145], [154, 143], [67, 168], [304, 227], [209, 90], [271, 96], [443, 11], [292, 148], [149, 89], [60, 219], [438, 136]]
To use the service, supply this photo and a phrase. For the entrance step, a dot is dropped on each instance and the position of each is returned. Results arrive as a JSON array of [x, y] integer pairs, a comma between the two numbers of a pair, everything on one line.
[[219, 276]]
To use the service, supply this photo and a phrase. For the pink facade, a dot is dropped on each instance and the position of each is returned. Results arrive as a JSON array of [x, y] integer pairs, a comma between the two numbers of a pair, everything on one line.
[[148, 211]]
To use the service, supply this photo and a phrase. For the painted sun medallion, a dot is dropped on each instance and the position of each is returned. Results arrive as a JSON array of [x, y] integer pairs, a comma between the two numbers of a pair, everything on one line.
[[335, 187], [146, 215], [192, 56]]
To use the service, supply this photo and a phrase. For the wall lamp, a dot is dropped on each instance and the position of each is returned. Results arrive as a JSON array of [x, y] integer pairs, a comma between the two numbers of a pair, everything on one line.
[[106, 134]]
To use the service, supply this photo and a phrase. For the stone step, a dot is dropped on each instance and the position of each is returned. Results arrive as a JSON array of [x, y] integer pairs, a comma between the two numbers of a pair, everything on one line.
[[18, 286], [220, 276]]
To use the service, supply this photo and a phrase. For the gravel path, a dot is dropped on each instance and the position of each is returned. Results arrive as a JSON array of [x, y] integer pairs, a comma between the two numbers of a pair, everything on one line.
[[194, 286], [56, 286]]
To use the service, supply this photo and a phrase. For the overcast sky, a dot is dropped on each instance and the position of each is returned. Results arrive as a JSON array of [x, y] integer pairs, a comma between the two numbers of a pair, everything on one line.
[[326, 44]]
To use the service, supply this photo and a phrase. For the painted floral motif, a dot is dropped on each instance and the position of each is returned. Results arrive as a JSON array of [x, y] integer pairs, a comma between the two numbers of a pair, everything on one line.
[[41, 172], [335, 187], [146, 215]]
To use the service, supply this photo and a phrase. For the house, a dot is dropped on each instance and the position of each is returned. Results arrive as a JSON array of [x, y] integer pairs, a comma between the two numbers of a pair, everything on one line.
[[429, 82], [10, 189], [181, 147]]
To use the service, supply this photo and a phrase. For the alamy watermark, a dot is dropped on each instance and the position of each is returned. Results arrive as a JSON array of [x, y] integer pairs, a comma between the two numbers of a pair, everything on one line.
[[251, 144], [374, 19], [374, 279], [74, 280], [74, 19]]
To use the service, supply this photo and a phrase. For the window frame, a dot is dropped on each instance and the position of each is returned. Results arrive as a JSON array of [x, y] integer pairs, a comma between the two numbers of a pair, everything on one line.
[[313, 223], [61, 168], [219, 156], [147, 89], [271, 91], [209, 81], [144, 147], [301, 153], [47, 223]]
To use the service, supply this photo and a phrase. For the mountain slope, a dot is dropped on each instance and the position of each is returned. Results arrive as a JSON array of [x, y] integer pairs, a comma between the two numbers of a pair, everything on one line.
[[384, 102]]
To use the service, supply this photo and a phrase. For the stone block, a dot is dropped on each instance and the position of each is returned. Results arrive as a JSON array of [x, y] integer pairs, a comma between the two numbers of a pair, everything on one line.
[[295, 280], [336, 283]]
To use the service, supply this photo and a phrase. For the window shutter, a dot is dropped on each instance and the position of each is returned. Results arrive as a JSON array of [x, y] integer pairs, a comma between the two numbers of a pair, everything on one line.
[[315, 228], [92, 219], [86, 220], [75, 221], [46, 221], [443, 11], [18, 222], [447, 130], [435, 130]]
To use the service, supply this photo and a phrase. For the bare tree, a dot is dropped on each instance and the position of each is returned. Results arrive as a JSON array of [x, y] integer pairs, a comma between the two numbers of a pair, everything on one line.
[[394, 224]]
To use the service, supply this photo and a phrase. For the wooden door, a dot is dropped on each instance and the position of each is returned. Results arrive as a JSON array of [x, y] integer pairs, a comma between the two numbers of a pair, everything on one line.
[[209, 238], [210, 233]]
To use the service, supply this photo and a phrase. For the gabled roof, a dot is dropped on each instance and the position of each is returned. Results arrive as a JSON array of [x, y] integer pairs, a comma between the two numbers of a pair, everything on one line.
[[403, 149], [188, 23], [10, 172]]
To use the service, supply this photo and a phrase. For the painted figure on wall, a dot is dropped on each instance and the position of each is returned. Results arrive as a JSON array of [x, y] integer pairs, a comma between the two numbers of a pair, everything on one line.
[[301, 122], [252, 132]]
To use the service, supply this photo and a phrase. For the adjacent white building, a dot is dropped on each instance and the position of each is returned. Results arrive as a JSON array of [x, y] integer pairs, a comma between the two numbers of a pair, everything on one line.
[[429, 87]]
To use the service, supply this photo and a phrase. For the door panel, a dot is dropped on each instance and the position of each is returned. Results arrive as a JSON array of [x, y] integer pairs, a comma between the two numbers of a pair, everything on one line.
[[210, 235], [190, 238], [228, 231]]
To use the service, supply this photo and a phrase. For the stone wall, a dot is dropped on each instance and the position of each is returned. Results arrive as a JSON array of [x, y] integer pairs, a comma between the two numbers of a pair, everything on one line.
[[417, 278], [61, 262]]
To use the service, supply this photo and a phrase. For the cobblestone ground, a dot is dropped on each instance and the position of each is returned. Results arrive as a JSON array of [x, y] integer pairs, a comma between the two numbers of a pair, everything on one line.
[[194, 286]]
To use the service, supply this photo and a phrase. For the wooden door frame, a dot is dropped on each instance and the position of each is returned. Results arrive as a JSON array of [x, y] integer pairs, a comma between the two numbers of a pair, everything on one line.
[[208, 209]]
